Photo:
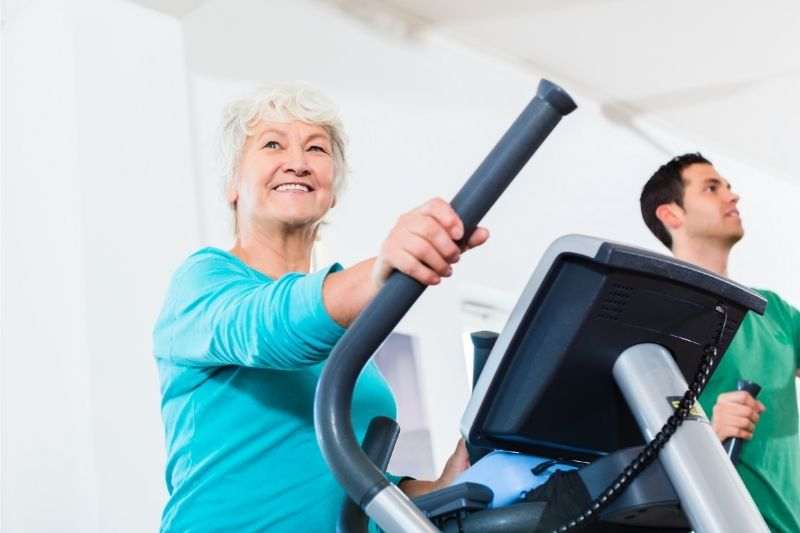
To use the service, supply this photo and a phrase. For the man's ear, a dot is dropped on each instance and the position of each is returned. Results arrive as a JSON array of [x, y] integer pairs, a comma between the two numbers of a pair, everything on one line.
[[671, 215]]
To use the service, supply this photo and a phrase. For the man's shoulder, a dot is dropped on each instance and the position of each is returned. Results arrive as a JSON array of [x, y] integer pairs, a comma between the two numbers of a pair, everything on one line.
[[773, 297], [778, 308]]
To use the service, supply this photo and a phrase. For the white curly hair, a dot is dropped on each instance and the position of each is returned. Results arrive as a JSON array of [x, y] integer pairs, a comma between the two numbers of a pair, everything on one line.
[[284, 102]]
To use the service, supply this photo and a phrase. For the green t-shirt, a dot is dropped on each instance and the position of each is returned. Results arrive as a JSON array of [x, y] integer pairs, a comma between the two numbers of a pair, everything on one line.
[[766, 349]]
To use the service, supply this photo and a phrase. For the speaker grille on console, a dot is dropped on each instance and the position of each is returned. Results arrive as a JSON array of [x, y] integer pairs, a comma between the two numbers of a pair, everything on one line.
[[614, 302]]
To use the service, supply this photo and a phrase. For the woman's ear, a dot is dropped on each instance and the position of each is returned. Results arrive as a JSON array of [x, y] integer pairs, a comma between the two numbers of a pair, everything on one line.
[[333, 202], [232, 191], [671, 215]]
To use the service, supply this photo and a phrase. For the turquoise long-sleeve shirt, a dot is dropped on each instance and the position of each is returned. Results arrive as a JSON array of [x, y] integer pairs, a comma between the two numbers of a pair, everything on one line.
[[239, 355]]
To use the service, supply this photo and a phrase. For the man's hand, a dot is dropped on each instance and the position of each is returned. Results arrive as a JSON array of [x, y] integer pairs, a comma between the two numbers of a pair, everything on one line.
[[736, 415], [422, 244]]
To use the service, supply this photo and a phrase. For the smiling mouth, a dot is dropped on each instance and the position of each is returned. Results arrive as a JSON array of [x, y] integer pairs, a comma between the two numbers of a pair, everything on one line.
[[292, 187]]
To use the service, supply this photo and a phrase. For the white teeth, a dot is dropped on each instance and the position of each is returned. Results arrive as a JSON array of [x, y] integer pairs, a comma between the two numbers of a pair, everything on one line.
[[293, 187]]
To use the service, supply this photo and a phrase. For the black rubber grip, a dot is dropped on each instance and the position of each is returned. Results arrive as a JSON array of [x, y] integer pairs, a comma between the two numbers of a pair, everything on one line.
[[378, 444], [482, 344], [351, 467]]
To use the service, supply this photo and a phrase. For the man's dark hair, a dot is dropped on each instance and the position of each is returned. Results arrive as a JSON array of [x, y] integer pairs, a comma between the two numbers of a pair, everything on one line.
[[666, 187]]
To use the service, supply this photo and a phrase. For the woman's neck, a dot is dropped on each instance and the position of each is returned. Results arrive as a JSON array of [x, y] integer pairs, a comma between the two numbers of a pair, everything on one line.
[[275, 253]]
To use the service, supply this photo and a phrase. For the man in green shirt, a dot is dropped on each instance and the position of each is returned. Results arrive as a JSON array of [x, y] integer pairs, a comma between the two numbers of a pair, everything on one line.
[[692, 210]]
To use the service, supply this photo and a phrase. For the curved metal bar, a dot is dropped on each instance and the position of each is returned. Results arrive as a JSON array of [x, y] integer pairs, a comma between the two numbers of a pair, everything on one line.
[[352, 468]]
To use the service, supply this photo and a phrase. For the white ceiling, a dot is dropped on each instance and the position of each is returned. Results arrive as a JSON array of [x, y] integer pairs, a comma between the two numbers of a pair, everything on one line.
[[631, 49], [723, 73], [176, 8]]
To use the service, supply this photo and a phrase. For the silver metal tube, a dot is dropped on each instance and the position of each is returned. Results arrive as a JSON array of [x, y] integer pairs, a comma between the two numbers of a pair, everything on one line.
[[394, 513], [711, 492]]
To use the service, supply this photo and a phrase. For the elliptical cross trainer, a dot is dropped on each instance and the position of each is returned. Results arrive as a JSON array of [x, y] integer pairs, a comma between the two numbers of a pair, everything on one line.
[[598, 344]]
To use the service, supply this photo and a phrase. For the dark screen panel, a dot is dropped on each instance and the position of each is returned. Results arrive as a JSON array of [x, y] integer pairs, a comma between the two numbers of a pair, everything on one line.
[[554, 393]]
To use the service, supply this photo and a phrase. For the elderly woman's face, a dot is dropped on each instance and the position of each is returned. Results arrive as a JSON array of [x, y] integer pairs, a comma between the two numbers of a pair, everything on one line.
[[285, 175]]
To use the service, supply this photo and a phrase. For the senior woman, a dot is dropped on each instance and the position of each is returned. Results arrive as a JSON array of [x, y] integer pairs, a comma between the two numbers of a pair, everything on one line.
[[244, 333]]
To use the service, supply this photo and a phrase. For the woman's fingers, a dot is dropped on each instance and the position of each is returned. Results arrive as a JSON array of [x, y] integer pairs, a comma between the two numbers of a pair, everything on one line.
[[456, 464], [478, 237], [426, 253], [410, 265], [423, 244], [445, 215], [429, 228]]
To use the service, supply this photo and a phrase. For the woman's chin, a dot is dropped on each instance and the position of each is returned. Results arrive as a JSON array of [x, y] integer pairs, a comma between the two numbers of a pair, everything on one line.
[[296, 221]]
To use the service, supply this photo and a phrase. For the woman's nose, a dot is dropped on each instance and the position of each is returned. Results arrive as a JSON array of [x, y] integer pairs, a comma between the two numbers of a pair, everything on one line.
[[297, 163]]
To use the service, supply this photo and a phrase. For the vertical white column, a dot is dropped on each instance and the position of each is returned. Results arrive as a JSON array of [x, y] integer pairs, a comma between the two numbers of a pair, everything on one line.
[[98, 208], [48, 470], [140, 222]]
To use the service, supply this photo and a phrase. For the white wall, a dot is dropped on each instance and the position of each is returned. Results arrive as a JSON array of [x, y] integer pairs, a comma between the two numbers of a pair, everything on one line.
[[421, 114], [109, 180], [98, 208], [48, 464]]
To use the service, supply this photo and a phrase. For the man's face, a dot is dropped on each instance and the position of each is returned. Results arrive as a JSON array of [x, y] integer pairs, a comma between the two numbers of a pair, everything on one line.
[[709, 205]]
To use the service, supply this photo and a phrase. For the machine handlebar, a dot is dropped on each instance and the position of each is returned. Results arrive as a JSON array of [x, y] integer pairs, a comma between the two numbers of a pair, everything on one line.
[[361, 479]]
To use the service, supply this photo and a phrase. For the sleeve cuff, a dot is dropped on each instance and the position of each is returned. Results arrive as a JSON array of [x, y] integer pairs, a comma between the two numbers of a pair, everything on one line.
[[396, 480]]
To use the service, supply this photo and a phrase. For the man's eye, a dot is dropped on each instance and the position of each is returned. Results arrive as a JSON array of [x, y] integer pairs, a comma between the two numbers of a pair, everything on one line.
[[273, 145], [712, 188]]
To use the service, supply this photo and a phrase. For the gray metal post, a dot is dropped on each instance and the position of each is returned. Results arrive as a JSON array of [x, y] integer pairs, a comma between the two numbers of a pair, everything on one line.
[[711, 492]]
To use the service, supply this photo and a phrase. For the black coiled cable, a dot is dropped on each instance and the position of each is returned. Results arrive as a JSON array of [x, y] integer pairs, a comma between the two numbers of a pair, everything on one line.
[[651, 451]]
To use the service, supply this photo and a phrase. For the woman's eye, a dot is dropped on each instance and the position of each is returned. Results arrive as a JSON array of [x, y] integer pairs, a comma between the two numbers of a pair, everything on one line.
[[273, 145], [317, 148]]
